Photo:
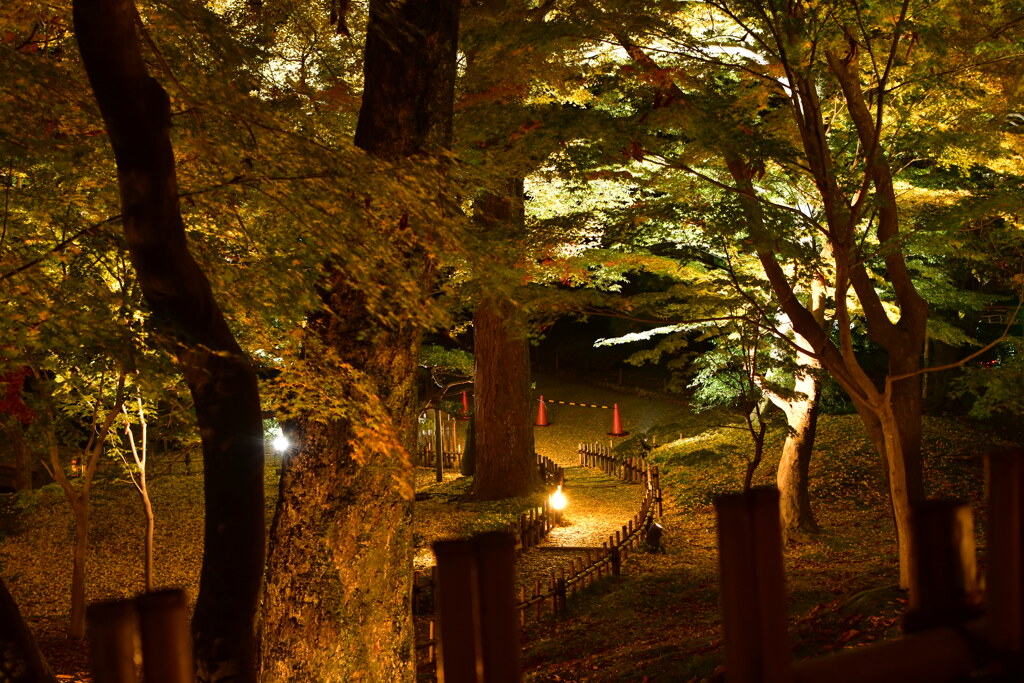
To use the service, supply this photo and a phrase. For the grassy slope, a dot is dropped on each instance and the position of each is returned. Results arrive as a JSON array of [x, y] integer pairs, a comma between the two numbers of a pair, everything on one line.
[[659, 620]]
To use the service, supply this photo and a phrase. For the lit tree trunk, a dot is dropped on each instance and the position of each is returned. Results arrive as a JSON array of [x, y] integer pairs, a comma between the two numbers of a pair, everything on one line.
[[337, 601], [78, 499], [337, 606], [136, 111], [893, 422], [81, 515], [757, 428], [792, 479], [147, 507], [503, 438], [140, 451], [795, 512]]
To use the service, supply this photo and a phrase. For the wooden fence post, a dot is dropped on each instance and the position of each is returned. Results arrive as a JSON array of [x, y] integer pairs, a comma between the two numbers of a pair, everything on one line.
[[432, 649], [459, 659], [496, 575], [166, 640], [478, 636], [1004, 592], [438, 446], [945, 566], [753, 592], [112, 641], [560, 593]]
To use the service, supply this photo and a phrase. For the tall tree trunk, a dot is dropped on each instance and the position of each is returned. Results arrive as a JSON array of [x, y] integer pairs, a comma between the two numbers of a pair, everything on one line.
[[338, 602], [503, 437], [136, 111], [503, 428], [900, 419], [893, 422], [793, 476], [79, 554]]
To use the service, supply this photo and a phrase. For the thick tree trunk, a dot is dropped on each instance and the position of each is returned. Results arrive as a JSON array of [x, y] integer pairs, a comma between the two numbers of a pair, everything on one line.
[[338, 602], [136, 111], [900, 420], [503, 429], [20, 647], [894, 425], [503, 438]]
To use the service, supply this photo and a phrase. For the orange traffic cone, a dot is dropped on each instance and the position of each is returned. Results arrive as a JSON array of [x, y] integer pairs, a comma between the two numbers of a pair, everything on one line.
[[542, 415], [617, 424], [465, 407]]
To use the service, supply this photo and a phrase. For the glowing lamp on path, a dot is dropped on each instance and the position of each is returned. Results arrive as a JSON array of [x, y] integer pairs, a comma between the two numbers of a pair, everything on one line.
[[558, 500], [280, 443]]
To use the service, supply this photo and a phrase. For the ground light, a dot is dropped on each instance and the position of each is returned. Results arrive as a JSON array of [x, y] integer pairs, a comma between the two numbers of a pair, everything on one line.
[[558, 500]]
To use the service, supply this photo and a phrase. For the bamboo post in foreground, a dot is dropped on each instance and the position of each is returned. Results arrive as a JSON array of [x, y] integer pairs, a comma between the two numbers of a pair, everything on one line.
[[478, 633], [159, 621], [496, 575], [166, 639], [1004, 592], [753, 591], [947, 571], [458, 653], [111, 630]]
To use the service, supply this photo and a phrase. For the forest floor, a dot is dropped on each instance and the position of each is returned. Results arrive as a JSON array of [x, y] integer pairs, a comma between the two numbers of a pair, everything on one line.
[[656, 622]]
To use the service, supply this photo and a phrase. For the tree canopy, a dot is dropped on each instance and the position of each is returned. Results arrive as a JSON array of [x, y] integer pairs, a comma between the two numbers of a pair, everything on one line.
[[833, 184]]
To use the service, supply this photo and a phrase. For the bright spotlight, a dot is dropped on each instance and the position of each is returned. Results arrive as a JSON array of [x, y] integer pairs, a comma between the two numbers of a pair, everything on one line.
[[558, 499], [280, 443]]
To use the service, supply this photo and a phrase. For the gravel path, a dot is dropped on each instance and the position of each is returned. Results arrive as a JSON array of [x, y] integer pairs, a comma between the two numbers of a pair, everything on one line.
[[598, 504]]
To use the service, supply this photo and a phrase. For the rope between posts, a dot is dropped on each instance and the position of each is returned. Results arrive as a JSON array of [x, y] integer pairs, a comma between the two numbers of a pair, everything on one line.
[[577, 404]]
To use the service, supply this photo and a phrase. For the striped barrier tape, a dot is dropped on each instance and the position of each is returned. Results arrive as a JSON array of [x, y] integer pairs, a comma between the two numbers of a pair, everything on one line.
[[578, 405]]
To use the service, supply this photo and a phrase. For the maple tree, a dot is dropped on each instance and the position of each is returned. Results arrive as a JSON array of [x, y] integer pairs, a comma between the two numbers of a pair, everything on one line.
[[341, 539], [844, 149], [758, 93]]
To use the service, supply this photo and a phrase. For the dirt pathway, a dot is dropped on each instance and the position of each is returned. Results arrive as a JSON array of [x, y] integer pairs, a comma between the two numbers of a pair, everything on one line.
[[571, 425], [598, 504]]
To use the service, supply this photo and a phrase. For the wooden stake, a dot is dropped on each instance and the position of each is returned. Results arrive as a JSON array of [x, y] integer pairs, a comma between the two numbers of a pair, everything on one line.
[[166, 640], [1005, 594], [112, 641], [753, 592]]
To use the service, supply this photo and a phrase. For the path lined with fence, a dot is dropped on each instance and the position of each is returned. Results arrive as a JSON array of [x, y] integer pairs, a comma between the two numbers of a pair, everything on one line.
[[610, 533]]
